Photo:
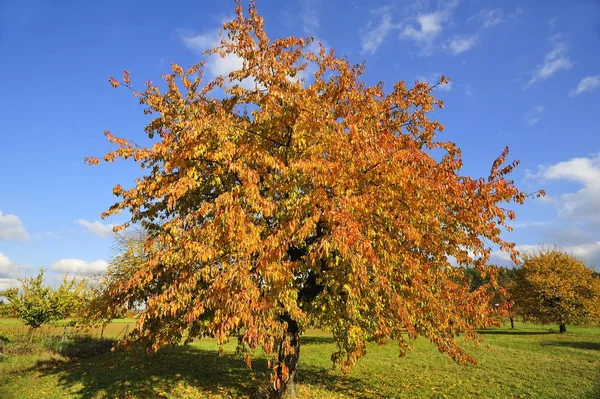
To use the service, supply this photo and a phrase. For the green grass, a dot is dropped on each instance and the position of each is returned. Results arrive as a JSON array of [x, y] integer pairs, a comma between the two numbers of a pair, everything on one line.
[[13, 325], [10, 321], [528, 362]]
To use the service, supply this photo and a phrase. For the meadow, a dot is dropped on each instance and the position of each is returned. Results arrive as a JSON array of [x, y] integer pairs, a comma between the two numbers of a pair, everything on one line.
[[530, 361]]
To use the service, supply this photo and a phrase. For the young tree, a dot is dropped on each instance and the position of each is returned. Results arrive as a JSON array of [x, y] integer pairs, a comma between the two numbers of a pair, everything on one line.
[[274, 199], [129, 257], [36, 303], [552, 286]]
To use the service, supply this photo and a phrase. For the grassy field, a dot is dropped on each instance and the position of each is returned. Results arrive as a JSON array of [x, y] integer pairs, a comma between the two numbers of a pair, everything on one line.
[[527, 362]]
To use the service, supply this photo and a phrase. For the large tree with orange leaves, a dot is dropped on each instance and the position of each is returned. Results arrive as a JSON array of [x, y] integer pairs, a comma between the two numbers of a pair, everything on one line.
[[308, 199]]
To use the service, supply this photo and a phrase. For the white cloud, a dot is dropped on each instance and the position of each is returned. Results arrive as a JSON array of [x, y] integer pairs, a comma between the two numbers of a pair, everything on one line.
[[310, 26], [460, 44], [429, 27], [6, 283], [576, 228], [48, 234], [446, 87], [530, 223], [589, 252], [78, 266], [7, 268], [96, 228], [12, 228], [555, 60], [584, 204], [215, 64], [373, 35], [589, 83], [534, 115], [4, 261], [490, 17], [468, 89], [567, 233], [310, 18], [52, 235]]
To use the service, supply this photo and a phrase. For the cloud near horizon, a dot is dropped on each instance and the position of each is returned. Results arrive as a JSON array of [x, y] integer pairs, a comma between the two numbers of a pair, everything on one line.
[[12, 228], [96, 228], [78, 266], [8, 273], [584, 204], [589, 252], [577, 225], [7, 268]]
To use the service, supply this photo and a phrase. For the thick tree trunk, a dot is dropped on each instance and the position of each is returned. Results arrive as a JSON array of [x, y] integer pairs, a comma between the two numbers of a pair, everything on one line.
[[512, 322], [562, 328], [285, 383]]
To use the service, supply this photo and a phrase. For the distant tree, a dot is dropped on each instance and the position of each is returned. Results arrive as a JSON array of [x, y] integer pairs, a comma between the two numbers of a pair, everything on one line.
[[552, 286], [101, 306], [276, 198], [36, 303], [474, 277], [501, 295]]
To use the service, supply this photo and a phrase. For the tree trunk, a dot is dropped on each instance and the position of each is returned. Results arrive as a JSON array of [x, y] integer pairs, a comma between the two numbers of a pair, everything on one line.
[[512, 322], [289, 354], [562, 328]]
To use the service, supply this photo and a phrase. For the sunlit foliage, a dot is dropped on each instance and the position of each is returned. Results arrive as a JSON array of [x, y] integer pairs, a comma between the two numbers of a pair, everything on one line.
[[552, 286], [304, 196], [36, 303]]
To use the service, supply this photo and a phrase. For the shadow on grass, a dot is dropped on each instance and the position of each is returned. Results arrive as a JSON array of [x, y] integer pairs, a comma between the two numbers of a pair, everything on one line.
[[139, 375], [595, 392], [573, 344], [515, 332]]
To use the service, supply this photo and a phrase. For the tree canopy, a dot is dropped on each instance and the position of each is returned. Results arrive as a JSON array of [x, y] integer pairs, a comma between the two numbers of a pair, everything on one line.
[[552, 286], [291, 193]]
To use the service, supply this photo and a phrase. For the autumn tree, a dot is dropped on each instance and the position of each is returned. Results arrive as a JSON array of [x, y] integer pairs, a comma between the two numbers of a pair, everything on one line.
[[37, 303], [552, 286], [291, 193]]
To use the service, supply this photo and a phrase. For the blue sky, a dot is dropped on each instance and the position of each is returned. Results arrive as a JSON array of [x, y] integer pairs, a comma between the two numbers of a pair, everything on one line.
[[524, 74]]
